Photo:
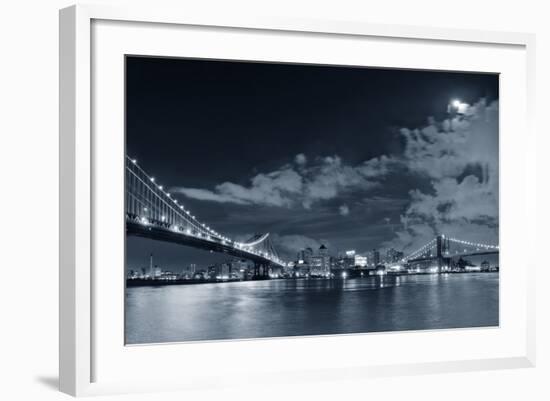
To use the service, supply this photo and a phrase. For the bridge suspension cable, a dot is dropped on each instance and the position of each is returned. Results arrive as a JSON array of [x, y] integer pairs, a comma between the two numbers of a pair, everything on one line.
[[422, 250], [149, 204], [253, 241], [473, 244]]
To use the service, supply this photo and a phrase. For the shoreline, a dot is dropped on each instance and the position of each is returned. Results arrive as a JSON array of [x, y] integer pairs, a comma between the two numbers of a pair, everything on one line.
[[158, 283]]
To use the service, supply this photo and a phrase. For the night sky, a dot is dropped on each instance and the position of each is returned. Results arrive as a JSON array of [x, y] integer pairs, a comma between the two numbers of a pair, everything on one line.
[[312, 154]]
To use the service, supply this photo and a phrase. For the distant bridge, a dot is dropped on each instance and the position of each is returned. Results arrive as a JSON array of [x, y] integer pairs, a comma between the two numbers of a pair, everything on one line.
[[443, 248]]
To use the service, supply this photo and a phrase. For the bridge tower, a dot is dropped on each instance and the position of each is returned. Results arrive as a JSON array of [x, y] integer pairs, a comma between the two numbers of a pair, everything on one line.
[[442, 245]]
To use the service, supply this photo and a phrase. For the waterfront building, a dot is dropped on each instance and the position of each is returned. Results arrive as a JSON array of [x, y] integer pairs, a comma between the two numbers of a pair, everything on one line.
[[373, 258], [276, 272], [239, 268], [168, 276], [151, 269], [393, 256], [213, 271], [200, 275], [351, 260], [348, 261], [288, 270], [133, 274], [380, 270], [224, 271], [305, 255], [360, 261], [301, 269], [320, 263], [339, 263], [188, 271]]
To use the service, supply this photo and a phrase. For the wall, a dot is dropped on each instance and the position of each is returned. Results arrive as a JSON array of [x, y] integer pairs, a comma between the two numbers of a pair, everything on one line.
[[28, 162]]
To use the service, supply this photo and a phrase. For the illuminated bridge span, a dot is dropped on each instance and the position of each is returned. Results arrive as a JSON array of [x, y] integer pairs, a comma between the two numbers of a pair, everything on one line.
[[154, 213], [442, 248]]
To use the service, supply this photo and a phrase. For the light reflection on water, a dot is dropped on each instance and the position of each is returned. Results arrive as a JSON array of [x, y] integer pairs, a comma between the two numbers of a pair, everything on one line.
[[274, 308]]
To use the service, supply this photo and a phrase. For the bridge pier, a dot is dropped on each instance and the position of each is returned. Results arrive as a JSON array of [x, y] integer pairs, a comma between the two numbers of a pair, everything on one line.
[[261, 270]]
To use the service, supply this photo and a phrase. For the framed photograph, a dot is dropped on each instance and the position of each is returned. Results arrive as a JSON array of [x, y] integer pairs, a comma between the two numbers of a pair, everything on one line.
[[354, 195]]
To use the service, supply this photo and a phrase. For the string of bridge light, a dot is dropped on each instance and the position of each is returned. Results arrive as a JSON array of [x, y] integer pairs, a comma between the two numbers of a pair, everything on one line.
[[240, 245], [147, 182], [421, 250], [178, 205], [473, 244]]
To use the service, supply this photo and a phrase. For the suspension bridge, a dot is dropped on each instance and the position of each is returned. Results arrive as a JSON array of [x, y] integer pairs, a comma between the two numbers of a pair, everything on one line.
[[152, 212], [442, 249]]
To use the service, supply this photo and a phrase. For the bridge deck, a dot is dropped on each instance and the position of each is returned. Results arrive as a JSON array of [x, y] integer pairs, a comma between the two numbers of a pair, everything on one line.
[[450, 256], [161, 234]]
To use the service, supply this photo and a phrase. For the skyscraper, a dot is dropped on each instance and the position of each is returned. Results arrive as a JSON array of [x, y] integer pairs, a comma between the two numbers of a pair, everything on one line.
[[320, 263], [393, 256], [373, 258]]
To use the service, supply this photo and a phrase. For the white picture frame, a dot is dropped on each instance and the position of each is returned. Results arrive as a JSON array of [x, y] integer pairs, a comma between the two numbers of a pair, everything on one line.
[[78, 221]]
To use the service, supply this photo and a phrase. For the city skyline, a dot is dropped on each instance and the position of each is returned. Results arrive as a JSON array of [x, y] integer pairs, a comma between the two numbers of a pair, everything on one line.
[[353, 164], [371, 258]]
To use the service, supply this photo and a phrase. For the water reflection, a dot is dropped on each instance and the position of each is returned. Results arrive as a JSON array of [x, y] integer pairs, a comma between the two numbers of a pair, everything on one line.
[[310, 307]]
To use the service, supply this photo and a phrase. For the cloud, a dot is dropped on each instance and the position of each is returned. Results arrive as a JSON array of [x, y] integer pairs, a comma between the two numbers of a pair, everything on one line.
[[323, 179], [445, 149], [203, 194], [331, 177], [459, 157], [453, 200], [449, 168], [273, 189], [289, 245], [343, 210]]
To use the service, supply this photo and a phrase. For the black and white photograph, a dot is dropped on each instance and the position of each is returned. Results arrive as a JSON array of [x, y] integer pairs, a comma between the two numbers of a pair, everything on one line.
[[275, 200], [269, 199]]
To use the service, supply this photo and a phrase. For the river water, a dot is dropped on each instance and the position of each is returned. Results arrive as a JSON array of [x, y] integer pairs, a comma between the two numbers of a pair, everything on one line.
[[274, 308]]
